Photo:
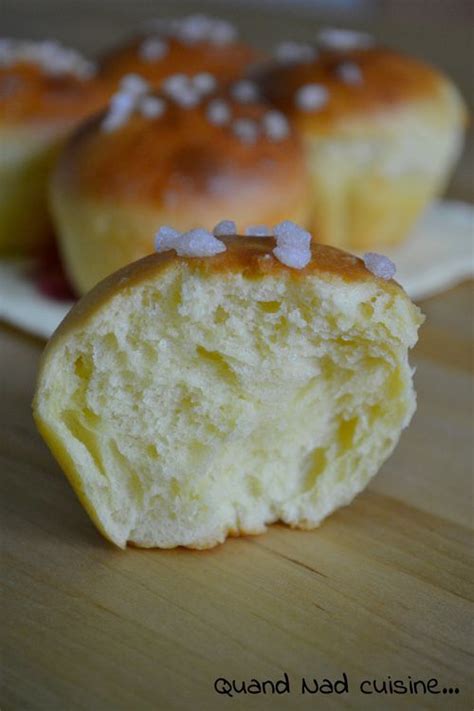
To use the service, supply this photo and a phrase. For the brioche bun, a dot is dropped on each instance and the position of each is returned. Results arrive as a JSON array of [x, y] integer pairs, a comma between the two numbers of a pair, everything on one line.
[[382, 132], [38, 108], [111, 190], [166, 48], [188, 399]]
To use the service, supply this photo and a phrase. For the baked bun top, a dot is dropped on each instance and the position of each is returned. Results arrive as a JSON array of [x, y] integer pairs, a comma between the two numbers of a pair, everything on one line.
[[219, 151], [334, 85], [43, 82], [250, 256], [192, 44]]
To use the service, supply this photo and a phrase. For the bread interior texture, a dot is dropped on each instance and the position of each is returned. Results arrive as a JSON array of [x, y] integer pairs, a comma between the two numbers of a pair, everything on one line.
[[188, 408]]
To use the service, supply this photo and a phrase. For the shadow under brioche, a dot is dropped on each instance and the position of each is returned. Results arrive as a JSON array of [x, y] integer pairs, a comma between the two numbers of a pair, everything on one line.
[[188, 45], [189, 165], [45, 90], [188, 399], [382, 132]]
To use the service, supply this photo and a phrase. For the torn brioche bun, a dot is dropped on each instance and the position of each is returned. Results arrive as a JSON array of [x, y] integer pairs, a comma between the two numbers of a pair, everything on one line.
[[188, 399], [382, 132], [112, 190], [37, 110]]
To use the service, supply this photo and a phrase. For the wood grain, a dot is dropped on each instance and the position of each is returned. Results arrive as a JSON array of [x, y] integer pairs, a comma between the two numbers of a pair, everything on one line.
[[384, 587]]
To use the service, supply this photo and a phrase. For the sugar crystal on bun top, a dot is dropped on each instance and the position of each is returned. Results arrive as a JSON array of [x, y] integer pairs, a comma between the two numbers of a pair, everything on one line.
[[245, 91], [194, 243], [344, 39], [225, 227], [311, 97], [293, 245], [152, 106], [295, 52], [350, 73], [205, 82], [275, 125], [218, 112], [379, 265], [246, 129], [153, 49]]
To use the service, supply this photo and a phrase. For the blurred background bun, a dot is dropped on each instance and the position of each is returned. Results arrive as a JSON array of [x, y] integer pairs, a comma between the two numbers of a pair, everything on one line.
[[348, 138], [45, 90], [184, 157], [381, 130], [191, 44]]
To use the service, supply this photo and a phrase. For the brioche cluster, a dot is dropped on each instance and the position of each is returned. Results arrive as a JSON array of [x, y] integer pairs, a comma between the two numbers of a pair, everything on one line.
[[233, 377], [366, 136]]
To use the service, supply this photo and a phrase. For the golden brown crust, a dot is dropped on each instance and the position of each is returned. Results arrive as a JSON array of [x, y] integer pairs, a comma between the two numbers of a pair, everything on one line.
[[224, 62], [182, 158], [30, 96], [27, 94], [390, 81], [249, 256]]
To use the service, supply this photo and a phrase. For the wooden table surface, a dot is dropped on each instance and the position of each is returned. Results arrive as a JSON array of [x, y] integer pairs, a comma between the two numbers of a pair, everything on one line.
[[382, 589]]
